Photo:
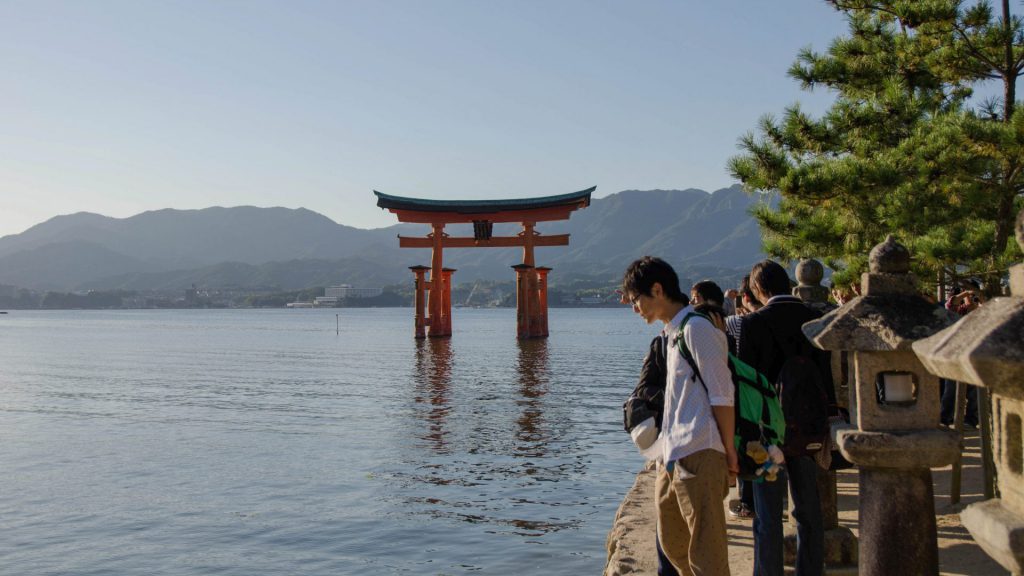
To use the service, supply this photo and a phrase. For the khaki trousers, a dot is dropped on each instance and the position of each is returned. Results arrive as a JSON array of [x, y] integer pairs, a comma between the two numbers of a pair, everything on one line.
[[691, 516]]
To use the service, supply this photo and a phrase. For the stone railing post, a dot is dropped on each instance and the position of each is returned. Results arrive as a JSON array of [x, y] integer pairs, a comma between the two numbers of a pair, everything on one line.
[[809, 273], [986, 348], [897, 439]]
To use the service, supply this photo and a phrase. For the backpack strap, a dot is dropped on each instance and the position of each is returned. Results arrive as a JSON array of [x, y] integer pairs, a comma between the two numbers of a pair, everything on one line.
[[685, 352]]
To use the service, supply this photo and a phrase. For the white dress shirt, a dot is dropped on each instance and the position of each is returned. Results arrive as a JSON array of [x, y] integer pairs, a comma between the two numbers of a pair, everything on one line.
[[688, 425]]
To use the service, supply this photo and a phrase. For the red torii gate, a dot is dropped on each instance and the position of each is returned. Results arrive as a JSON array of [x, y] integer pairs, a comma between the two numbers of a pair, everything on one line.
[[531, 281]]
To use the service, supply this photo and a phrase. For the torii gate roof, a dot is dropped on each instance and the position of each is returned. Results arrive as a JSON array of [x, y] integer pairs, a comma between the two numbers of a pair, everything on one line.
[[506, 210]]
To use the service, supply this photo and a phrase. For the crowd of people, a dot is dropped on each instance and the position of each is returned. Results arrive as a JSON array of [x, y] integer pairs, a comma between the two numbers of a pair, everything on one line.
[[689, 421]]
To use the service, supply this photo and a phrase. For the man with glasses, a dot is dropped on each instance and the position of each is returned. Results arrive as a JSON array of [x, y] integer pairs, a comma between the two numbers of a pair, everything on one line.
[[695, 464]]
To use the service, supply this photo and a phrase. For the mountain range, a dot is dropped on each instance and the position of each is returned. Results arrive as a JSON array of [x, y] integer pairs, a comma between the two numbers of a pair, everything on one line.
[[282, 248]]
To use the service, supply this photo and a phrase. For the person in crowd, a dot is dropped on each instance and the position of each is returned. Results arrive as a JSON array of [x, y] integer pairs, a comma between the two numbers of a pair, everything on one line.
[[743, 507], [706, 292], [651, 387], [747, 302], [842, 295], [715, 313], [707, 298], [967, 299], [697, 464], [767, 338], [732, 302], [731, 295]]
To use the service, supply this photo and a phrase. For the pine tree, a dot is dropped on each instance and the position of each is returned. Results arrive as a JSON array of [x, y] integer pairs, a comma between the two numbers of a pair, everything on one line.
[[903, 148]]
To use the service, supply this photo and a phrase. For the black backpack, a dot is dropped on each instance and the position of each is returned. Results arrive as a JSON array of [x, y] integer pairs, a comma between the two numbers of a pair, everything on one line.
[[648, 398], [804, 401]]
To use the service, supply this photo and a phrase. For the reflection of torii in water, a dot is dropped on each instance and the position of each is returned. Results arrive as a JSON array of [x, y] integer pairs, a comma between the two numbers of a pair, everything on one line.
[[531, 281]]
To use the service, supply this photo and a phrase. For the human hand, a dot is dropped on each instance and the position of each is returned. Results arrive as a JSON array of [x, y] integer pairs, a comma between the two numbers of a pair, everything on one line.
[[732, 462], [970, 298]]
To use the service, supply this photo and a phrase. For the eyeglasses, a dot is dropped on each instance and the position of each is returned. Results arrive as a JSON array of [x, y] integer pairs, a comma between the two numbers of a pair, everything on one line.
[[634, 299]]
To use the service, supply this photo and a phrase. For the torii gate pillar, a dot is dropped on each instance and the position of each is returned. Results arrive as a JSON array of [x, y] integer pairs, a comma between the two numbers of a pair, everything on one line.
[[446, 300], [419, 300], [525, 319], [542, 291]]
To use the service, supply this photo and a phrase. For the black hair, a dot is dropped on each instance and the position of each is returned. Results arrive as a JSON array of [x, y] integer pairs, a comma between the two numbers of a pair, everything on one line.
[[747, 292], [770, 277], [644, 273], [709, 309], [969, 284], [709, 292]]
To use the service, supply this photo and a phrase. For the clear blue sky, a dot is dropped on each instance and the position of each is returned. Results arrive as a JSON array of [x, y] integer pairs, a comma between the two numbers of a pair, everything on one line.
[[118, 107]]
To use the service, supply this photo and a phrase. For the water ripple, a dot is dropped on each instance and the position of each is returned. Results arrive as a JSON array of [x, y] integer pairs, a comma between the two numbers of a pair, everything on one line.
[[261, 442]]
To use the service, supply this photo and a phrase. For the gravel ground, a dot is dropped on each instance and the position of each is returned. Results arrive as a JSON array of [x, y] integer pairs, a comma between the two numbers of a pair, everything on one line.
[[631, 541]]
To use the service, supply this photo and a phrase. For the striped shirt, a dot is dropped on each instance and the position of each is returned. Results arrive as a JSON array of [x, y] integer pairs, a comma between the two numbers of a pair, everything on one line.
[[688, 424], [734, 328]]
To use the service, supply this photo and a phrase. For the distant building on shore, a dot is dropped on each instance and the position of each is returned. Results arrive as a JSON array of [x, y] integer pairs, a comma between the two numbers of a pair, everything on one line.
[[348, 291]]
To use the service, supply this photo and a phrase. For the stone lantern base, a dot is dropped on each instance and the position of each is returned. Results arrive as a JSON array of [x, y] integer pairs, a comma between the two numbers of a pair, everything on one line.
[[999, 531], [897, 504], [896, 525]]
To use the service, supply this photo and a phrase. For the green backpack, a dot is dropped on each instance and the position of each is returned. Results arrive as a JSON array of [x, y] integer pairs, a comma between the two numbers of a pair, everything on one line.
[[758, 411]]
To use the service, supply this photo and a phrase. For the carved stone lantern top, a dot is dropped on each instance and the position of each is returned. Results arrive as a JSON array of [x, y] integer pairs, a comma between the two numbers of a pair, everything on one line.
[[986, 348], [889, 257], [890, 315]]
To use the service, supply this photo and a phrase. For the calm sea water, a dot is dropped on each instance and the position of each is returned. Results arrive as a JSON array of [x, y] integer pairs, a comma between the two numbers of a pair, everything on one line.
[[261, 442]]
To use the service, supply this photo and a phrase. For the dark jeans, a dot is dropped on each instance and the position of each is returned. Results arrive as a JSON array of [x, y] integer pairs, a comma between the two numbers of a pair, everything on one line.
[[949, 403], [665, 568], [768, 498], [747, 493]]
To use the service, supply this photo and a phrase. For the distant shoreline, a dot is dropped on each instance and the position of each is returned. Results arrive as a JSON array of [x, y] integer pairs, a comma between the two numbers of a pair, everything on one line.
[[602, 305]]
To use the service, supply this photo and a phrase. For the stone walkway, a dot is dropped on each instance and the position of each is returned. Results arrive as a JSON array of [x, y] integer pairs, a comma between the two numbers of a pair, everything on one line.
[[631, 541]]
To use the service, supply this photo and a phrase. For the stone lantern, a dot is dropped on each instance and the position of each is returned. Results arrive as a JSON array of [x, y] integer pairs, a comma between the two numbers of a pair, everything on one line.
[[986, 348], [897, 439], [809, 273]]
